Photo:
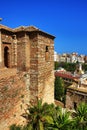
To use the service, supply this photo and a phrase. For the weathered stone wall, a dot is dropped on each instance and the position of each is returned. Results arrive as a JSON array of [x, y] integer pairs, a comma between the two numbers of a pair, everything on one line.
[[33, 68], [45, 69], [73, 98], [6, 37], [41, 69], [23, 51], [20, 51], [14, 95], [6, 40], [32, 55]]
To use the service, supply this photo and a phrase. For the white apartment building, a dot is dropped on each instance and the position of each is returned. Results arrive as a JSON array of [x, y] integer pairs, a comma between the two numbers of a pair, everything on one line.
[[69, 58], [74, 57]]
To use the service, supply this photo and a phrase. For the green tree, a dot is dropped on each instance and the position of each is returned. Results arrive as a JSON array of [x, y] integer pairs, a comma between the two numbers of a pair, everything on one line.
[[80, 117], [56, 65], [67, 66], [38, 116], [59, 89], [61, 120]]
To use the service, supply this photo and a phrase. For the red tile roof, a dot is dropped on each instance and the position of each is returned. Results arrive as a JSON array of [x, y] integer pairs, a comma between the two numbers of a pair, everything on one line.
[[67, 75]]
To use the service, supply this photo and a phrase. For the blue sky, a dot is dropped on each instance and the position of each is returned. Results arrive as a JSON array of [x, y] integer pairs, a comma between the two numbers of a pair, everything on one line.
[[66, 19]]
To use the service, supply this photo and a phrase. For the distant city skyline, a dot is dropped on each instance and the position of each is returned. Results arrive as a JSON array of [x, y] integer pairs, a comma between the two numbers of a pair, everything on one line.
[[65, 19], [70, 53]]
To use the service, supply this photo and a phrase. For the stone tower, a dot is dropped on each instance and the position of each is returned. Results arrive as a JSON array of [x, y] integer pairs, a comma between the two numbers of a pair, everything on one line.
[[26, 70]]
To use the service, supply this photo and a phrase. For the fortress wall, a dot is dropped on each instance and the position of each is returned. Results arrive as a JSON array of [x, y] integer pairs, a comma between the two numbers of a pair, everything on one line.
[[14, 95]]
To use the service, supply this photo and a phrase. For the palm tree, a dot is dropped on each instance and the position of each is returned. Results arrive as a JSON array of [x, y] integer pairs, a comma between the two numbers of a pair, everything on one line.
[[38, 116], [61, 120], [80, 117]]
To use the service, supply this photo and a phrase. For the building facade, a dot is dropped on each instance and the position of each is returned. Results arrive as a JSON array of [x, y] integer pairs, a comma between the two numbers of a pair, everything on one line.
[[76, 95], [71, 58]]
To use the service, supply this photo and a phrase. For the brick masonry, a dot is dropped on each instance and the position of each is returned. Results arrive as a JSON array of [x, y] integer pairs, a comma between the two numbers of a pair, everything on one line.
[[14, 95], [75, 96], [27, 71]]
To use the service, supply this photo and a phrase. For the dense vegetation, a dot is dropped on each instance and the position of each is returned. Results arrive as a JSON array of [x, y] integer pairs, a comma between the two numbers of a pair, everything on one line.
[[50, 117], [69, 66], [60, 90]]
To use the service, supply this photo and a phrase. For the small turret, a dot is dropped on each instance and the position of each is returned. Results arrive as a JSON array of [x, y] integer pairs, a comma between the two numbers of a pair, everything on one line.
[[79, 70]]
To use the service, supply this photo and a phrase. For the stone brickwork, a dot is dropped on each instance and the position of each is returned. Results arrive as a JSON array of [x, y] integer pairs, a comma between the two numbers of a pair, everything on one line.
[[41, 70], [45, 68], [26, 71], [74, 96], [14, 95]]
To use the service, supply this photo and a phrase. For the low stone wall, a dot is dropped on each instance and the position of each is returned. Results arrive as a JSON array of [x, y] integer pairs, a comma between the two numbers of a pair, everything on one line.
[[74, 96]]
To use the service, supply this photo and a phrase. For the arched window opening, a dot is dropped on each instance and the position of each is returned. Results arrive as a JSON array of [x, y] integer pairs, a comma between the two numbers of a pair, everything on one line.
[[47, 49], [46, 53], [6, 57]]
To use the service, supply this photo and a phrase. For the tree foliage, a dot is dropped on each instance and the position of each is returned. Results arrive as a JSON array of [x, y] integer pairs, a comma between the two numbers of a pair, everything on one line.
[[39, 115], [80, 117], [59, 89], [49, 117], [69, 66]]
